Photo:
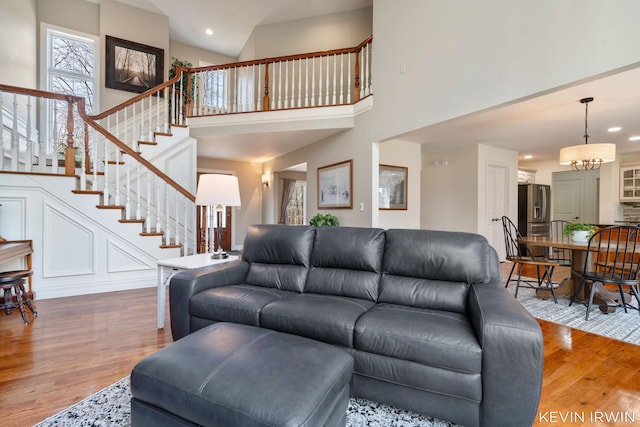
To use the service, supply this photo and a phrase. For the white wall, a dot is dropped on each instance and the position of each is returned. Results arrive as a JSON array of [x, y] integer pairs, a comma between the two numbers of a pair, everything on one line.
[[449, 190], [195, 55], [18, 39], [136, 25], [407, 154], [464, 56], [326, 32]]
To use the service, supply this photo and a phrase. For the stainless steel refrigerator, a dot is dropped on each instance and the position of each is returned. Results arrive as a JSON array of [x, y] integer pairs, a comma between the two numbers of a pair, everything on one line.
[[534, 211]]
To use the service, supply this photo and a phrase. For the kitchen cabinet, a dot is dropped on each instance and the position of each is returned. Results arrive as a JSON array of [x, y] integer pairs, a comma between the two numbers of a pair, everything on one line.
[[630, 183]]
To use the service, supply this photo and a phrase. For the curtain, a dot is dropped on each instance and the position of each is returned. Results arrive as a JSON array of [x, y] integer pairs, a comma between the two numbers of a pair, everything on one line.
[[288, 186]]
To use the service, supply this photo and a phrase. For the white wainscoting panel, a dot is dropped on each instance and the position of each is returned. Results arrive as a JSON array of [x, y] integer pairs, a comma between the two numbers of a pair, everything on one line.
[[122, 257]]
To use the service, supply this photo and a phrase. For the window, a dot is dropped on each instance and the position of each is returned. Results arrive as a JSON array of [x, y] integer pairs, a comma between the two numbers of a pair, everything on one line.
[[71, 64], [296, 212], [213, 90]]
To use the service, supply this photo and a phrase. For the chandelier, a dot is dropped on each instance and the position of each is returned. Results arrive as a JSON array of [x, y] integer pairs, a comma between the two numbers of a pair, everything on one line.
[[587, 156]]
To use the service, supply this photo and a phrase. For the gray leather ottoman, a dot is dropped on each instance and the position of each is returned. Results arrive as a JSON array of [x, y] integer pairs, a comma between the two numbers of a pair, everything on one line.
[[236, 375]]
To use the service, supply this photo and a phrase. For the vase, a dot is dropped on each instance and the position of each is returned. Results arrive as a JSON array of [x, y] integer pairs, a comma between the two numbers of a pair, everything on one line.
[[580, 236]]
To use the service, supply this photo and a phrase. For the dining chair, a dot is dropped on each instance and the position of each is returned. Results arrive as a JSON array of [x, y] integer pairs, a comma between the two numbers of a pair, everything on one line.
[[614, 259], [560, 255], [520, 255]]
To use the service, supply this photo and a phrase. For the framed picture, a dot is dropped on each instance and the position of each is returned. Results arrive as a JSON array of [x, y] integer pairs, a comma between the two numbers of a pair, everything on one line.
[[335, 186], [133, 67], [392, 187]]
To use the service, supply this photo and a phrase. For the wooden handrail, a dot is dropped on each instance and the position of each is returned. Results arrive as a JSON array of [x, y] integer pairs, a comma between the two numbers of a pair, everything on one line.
[[125, 148]]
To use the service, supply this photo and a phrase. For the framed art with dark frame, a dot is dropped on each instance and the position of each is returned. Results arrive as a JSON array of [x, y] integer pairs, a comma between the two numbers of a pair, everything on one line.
[[335, 186], [392, 187], [131, 66]]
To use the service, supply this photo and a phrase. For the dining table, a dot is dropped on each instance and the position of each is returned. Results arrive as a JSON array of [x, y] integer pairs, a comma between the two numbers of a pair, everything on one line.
[[567, 287]]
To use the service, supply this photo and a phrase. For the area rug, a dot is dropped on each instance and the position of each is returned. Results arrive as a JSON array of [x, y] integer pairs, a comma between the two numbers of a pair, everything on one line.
[[110, 407], [619, 325]]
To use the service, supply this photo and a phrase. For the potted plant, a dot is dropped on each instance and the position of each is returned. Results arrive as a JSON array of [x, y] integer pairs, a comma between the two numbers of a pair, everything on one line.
[[579, 232], [320, 220]]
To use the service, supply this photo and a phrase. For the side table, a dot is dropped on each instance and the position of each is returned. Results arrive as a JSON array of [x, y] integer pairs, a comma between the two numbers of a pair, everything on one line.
[[168, 267]]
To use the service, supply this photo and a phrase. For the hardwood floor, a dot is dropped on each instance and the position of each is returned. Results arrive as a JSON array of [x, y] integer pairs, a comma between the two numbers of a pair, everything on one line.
[[79, 345]]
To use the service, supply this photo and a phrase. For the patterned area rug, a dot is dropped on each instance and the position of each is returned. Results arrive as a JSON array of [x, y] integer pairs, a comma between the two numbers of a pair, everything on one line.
[[619, 325], [110, 407]]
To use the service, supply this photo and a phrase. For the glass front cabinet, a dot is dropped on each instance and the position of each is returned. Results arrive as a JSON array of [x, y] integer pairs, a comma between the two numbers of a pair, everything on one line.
[[630, 183]]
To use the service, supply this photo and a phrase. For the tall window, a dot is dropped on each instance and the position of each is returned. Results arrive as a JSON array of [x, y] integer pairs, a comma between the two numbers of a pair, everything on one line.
[[213, 90], [71, 67], [296, 213]]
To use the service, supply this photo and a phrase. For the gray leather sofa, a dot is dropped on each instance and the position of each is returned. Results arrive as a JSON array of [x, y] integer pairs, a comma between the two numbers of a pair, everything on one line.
[[423, 314]]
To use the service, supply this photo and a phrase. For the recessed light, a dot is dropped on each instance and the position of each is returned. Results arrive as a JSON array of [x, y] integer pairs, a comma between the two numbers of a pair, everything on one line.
[[528, 156], [614, 129], [634, 138], [208, 32]]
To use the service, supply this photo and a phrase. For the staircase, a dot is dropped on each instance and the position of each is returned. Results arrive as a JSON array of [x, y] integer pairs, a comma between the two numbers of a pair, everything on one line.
[[101, 217], [105, 196]]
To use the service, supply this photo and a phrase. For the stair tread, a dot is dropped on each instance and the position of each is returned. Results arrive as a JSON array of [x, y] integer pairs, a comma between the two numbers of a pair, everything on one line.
[[147, 142], [86, 192], [153, 233], [131, 221], [170, 246], [110, 206], [163, 134]]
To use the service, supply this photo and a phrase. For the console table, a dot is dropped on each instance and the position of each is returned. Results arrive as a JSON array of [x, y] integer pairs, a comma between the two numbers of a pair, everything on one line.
[[168, 267]]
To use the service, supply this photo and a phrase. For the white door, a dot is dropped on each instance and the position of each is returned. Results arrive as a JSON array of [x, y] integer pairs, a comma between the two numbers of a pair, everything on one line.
[[497, 205]]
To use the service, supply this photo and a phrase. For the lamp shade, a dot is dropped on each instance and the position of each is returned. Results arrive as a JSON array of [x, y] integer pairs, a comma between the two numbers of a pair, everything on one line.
[[583, 153], [217, 189]]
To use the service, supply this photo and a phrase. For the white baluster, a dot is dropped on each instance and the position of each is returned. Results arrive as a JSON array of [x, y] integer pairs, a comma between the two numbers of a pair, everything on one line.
[[335, 60], [234, 105], [157, 110], [367, 89], [42, 145], [167, 231], [313, 81], [286, 84], [362, 65], [320, 81], [326, 99], [158, 205], [127, 206], [185, 232], [165, 111], [28, 155], [176, 239], [299, 83], [95, 152], [306, 82], [139, 196], [15, 137], [349, 79], [105, 193], [280, 86], [258, 98], [150, 136], [341, 79], [83, 157], [147, 222]]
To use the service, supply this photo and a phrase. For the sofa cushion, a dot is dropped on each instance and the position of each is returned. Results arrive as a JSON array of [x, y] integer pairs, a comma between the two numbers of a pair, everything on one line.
[[237, 303], [346, 261], [436, 338], [447, 261], [278, 255], [326, 318]]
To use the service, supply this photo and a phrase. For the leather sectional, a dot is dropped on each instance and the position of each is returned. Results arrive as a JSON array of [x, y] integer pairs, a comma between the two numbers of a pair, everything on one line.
[[423, 314]]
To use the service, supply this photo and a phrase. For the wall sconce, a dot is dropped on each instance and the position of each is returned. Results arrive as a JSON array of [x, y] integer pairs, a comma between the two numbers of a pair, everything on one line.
[[265, 180]]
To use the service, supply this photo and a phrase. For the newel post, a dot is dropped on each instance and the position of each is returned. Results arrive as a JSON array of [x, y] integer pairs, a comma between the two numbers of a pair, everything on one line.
[[70, 152], [265, 99]]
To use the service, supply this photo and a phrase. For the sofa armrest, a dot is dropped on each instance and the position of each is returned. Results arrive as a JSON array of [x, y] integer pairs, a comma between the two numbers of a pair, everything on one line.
[[187, 283], [512, 356]]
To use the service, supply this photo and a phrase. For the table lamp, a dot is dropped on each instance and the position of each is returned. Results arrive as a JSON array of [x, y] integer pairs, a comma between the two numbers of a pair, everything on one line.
[[217, 191]]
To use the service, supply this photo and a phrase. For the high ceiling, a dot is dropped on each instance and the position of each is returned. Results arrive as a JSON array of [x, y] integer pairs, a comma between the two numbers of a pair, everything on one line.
[[538, 125], [232, 21]]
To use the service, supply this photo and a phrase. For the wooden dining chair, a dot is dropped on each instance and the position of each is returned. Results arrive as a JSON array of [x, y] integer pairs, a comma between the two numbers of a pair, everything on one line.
[[614, 259], [560, 255], [520, 255]]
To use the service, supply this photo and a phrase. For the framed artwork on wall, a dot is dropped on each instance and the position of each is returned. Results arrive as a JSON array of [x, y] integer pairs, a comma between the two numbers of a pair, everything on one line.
[[392, 187], [131, 66], [335, 186]]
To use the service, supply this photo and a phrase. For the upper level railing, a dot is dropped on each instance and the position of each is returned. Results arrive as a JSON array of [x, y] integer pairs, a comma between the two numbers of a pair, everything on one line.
[[319, 79]]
